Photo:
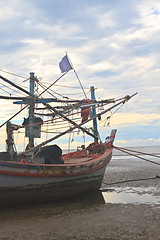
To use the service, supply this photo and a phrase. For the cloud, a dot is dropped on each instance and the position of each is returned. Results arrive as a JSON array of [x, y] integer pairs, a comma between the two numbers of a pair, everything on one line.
[[112, 45], [106, 20], [123, 119], [137, 142]]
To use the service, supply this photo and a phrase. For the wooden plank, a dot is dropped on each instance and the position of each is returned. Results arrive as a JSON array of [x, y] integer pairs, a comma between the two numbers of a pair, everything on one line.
[[77, 160]]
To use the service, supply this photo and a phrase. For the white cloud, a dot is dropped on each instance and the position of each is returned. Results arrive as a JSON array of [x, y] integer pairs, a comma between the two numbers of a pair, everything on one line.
[[7, 13], [114, 47], [137, 142], [134, 118], [106, 20]]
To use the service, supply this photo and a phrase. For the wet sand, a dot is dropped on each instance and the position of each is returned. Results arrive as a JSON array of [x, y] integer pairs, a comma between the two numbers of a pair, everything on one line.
[[90, 216]]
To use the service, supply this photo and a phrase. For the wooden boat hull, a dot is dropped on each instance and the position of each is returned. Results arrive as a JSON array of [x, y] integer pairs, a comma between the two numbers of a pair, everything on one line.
[[24, 183]]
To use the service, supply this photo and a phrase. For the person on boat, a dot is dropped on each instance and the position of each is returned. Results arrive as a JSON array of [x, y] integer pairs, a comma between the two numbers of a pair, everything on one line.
[[10, 145]]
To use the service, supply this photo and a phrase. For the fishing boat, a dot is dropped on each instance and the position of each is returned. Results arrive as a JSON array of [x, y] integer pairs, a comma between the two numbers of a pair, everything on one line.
[[42, 172]]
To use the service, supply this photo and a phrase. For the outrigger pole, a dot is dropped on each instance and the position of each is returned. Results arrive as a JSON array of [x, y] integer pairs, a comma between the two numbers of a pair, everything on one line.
[[72, 122], [26, 100], [34, 99], [14, 85], [72, 128], [31, 114], [31, 100]]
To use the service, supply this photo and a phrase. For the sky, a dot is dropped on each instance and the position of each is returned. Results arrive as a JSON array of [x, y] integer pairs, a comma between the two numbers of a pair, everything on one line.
[[113, 45]]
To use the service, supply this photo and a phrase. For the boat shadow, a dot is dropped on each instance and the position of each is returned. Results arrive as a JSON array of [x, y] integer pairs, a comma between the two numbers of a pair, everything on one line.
[[81, 202]]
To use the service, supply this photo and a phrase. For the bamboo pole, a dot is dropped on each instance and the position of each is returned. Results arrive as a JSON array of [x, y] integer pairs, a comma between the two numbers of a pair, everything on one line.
[[72, 128]]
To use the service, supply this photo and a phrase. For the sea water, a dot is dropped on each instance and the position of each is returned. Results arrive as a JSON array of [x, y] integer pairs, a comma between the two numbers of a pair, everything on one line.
[[124, 162], [151, 150], [137, 193]]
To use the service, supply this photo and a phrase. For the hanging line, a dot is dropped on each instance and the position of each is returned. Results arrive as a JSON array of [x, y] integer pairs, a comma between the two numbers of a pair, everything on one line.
[[10, 89], [52, 84], [109, 117], [76, 76], [13, 116], [5, 90], [65, 86], [12, 74], [44, 87]]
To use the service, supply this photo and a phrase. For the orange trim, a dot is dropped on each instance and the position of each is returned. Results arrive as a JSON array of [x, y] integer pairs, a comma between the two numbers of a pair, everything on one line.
[[107, 152], [106, 161]]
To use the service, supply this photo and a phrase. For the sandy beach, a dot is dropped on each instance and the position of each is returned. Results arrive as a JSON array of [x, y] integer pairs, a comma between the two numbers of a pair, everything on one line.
[[94, 216]]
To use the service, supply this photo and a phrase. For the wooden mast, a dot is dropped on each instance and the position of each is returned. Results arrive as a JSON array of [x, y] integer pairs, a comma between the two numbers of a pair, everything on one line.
[[95, 131], [31, 113], [74, 127], [31, 110]]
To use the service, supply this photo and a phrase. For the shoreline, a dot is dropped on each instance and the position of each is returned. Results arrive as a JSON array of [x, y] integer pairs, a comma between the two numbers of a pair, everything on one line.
[[89, 216]]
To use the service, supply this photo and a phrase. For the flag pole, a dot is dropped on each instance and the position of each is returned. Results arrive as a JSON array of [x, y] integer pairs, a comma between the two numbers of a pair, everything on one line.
[[76, 75]]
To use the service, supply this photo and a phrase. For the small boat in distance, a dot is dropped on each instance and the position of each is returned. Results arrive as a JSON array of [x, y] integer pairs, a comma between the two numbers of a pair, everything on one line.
[[41, 172]]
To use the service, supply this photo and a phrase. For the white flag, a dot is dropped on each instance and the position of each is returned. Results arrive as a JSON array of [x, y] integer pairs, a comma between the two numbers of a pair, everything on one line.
[[65, 65]]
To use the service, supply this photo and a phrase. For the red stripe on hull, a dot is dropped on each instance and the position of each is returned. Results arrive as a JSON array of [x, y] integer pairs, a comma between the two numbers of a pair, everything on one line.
[[64, 174]]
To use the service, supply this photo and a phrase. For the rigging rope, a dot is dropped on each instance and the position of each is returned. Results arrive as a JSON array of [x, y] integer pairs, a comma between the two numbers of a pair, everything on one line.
[[13, 116], [65, 86], [12, 74], [109, 117], [53, 83], [126, 151], [50, 90], [5, 90], [10, 89], [129, 180], [153, 155], [43, 86], [132, 180], [59, 85], [61, 122], [76, 75], [61, 94]]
